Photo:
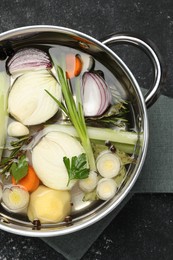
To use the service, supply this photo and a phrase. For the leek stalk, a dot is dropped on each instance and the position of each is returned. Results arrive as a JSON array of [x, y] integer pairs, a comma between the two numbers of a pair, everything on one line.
[[4, 87]]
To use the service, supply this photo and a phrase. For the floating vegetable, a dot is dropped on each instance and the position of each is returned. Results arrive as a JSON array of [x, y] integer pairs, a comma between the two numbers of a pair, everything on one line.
[[106, 189], [96, 96], [28, 102], [74, 111], [30, 182], [4, 87], [108, 164], [125, 139], [48, 205], [47, 159], [87, 62], [73, 65], [15, 198], [28, 59], [17, 129], [90, 183]]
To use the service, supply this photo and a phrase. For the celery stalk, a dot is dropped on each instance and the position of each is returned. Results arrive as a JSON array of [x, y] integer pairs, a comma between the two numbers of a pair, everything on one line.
[[123, 139], [4, 87]]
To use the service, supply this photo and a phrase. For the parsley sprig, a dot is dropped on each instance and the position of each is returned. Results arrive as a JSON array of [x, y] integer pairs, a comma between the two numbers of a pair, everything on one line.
[[76, 167]]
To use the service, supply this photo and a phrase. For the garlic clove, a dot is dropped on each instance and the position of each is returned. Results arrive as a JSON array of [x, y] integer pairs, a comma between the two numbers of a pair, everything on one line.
[[17, 129]]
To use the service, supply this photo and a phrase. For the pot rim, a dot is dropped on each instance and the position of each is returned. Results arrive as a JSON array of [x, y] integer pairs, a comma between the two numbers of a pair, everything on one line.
[[105, 211]]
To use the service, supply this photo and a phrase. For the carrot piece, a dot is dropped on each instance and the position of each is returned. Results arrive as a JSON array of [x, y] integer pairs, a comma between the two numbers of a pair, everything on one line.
[[73, 65], [30, 181]]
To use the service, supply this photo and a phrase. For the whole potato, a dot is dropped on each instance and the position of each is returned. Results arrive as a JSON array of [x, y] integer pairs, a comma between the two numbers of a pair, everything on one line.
[[49, 205]]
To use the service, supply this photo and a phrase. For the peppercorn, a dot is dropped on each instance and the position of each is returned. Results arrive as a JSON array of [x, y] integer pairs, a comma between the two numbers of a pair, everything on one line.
[[112, 148], [36, 224], [108, 143], [68, 220]]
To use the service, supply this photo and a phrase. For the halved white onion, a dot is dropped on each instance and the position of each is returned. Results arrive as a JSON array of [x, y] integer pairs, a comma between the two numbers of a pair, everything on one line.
[[47, 159], [28, 101], [106, 189], [89, 184], [108, 164]]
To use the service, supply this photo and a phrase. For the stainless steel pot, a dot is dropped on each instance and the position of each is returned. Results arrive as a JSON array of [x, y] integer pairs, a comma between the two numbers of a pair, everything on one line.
[[86, 214]]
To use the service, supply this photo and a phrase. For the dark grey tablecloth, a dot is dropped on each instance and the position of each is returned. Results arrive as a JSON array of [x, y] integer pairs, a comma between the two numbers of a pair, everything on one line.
[[156, 176]]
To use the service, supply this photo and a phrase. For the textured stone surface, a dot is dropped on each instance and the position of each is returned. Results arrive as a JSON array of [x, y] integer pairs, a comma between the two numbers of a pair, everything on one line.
[[143, 229], [100, 18]]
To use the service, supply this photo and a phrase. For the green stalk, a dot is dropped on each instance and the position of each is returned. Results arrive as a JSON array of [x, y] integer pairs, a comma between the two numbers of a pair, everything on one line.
[[4, 87], [104, 134], [123, 140], [75, 113]]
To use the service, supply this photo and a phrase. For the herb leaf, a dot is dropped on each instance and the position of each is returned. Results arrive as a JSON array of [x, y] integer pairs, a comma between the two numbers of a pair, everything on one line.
[[77, 167], [19, 169]]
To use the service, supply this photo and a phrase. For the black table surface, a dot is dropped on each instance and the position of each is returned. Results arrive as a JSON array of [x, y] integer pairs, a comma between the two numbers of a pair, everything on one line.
[[143, 229]]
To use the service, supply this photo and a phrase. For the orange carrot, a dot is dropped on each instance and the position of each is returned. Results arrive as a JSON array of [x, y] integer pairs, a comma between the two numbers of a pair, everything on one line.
[[73, 65], [30, 181]]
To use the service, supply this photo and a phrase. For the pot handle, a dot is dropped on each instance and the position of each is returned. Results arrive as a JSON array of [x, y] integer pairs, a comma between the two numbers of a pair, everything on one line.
[[150, 49]]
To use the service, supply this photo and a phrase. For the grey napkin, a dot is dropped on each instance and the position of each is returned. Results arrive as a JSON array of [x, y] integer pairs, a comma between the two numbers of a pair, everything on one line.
[[156, 176], [157, 173], [75, 245]]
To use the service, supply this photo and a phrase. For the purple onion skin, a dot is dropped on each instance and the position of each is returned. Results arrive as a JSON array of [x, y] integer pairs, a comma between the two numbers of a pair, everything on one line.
[[27, 59], [104, 92]]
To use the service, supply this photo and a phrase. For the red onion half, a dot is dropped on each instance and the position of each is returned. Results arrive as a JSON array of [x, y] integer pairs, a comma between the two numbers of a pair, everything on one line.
[[96, 96], [28, 59]]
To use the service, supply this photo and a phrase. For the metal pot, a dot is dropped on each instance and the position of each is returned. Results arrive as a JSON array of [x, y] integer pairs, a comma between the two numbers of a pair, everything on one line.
[[88, 213]]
